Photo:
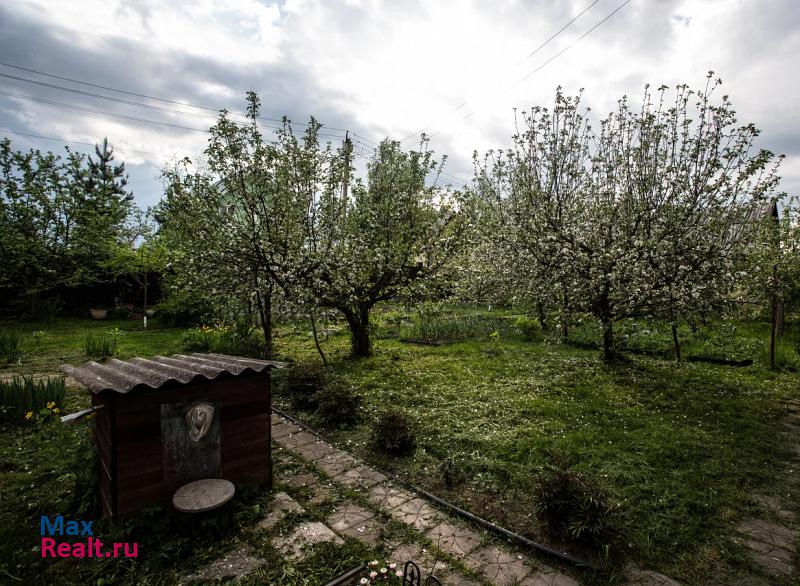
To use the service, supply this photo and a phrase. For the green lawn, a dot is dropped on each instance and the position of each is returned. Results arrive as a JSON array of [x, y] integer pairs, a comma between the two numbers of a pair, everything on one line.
[[63, 340], [678, 447]]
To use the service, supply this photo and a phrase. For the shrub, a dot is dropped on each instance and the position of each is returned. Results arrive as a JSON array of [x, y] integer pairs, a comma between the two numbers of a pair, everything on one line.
[[336, 404], [100, 346], [571, 507], [303, 382], [530, 329], [393, 432], [10, 345], [23, 395], [453, 471], [184, 309]]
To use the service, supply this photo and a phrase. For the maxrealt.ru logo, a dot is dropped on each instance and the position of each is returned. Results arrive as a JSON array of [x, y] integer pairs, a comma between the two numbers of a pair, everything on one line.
[[88, 547]]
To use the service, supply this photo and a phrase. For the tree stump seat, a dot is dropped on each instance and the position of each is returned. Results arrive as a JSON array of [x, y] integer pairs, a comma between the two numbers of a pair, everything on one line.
[[204, 495]]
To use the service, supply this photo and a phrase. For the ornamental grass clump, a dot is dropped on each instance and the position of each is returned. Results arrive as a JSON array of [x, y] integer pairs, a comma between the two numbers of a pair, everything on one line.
[[393, 433], [573, 508], [529, 328], [22, 397], [10, 345], [100, 346]]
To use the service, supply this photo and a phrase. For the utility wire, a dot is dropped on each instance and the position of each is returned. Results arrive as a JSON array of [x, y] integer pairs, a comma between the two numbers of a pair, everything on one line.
[[551, 59], [89, 144], [531, 54], [128, 117], [150, 97]]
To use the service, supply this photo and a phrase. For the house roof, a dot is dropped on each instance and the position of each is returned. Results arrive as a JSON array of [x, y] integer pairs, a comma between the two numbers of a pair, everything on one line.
[[140, 374]]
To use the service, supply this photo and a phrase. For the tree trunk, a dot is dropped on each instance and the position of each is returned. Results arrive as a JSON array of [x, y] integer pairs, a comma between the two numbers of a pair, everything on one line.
[[676, 342], [608, 339], [607, 321], [358, 322], [773, 330], [265, 312], [542, 315], [313, 316]]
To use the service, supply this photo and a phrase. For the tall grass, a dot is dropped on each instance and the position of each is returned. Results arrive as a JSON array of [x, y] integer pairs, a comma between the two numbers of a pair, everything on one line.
[[22, 394], [453, 328], [100, 346], [10, 345], [786, 356]]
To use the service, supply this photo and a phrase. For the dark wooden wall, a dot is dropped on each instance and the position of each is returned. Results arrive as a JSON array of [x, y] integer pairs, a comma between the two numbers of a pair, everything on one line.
[[128, 434]]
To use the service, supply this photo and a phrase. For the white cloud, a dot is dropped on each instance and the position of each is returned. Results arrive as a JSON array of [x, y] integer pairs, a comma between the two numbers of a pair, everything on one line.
[[383, 67]]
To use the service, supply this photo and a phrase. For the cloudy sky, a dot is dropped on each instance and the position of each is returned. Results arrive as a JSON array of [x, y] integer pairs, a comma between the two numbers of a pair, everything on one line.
[[391, 68]]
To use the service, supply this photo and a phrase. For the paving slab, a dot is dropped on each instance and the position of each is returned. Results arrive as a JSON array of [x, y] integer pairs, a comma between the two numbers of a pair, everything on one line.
[[418, 513], [548, 577], [315, 450], [360, 477], [500, 568], [280, 506], [426, 562], [637, 576], [368, 532], [335, 464], [773, 504], [301, 480], [234, 565], [305, 535], [348, 516], [453, 539], [769, 532], [773, 565], [295, 440], [283, 429], [769, 550], [388, 496]]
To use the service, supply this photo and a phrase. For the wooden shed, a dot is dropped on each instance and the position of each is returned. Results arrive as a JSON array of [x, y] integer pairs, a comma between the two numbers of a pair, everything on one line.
[[166, 421]]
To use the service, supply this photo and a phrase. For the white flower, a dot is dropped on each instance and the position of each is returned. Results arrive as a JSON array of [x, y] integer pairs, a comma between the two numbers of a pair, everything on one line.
[[373, 574], [363, 581]]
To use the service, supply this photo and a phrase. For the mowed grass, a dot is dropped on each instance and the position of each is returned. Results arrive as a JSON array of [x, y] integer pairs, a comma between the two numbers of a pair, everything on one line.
[[678, 447], [63, 341]]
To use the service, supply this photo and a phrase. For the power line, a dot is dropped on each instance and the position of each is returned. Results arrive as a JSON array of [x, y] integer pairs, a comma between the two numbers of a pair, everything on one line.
[[128, 117], [572, 44], [149, 97], [551, 59], [64, 140], [531, 54]]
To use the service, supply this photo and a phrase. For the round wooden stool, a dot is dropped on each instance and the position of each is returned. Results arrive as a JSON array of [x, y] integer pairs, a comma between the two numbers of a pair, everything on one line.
[[203, 495]]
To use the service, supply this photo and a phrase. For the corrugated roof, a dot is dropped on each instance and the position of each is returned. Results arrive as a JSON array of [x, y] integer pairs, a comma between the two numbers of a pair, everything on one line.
[[124, 376]]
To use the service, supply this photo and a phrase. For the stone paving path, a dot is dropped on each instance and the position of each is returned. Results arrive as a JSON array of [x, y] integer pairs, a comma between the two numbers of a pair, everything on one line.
[[772, 542], [456, 552], [462, 544]]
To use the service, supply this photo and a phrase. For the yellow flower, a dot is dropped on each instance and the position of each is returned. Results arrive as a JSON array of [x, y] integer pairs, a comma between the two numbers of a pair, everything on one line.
[[56, 410], [29, 415], [51, 404]]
